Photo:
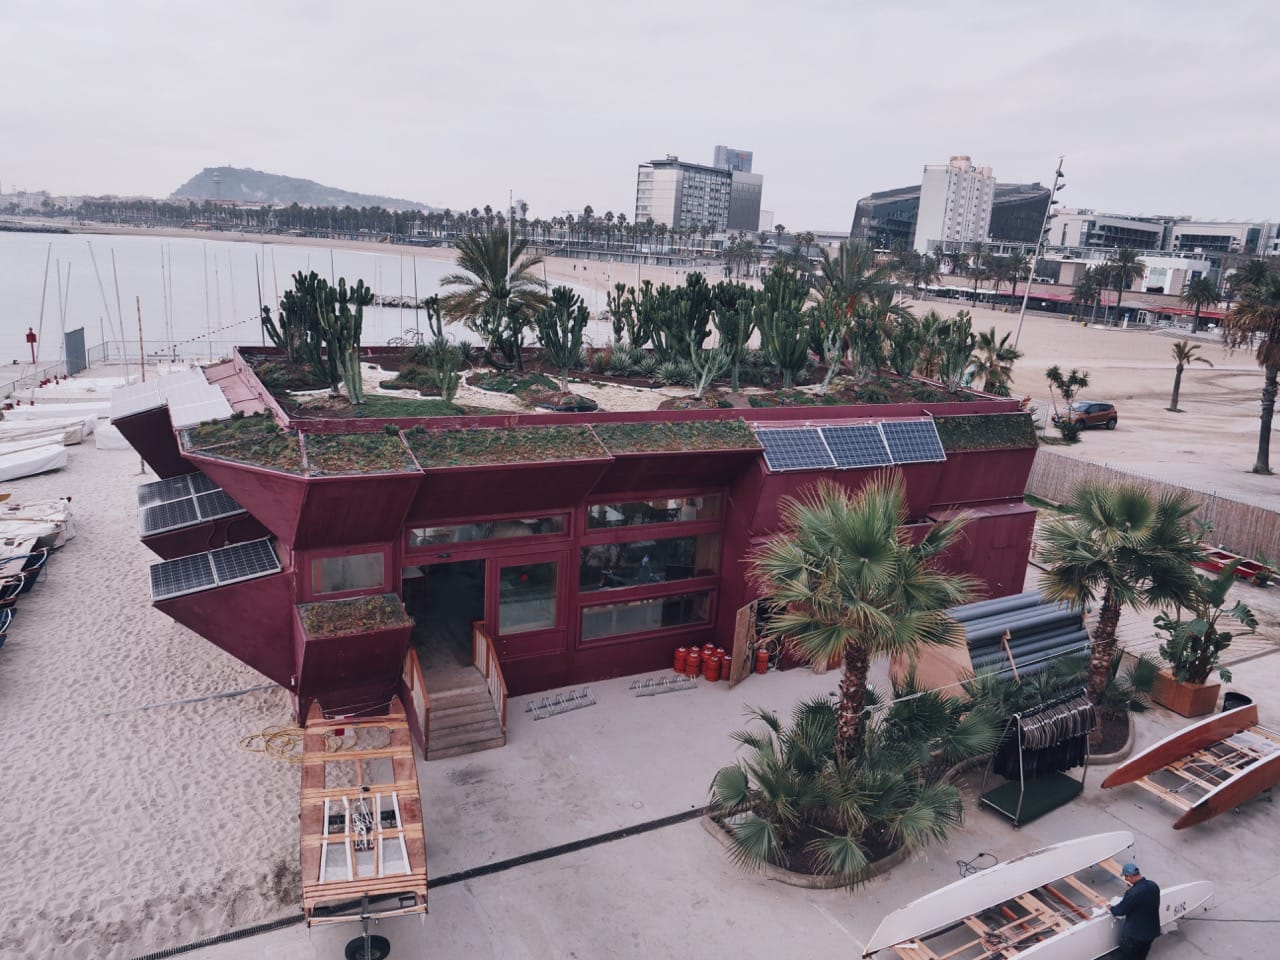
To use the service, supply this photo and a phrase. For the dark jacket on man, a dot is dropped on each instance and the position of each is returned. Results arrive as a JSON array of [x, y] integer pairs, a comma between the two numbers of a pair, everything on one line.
[[1140, 907]]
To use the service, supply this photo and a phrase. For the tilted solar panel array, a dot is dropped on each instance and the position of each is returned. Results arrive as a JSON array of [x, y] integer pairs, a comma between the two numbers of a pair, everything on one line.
[[182, 502], [850, 446], [857, 445], [217, 568], [913, 441], [794, 448]]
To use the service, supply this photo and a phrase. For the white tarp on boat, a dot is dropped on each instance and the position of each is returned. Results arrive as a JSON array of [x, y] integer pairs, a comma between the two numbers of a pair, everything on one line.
[[108, 437], [49, 520], [59, 411], [68, 431], [27, 463]]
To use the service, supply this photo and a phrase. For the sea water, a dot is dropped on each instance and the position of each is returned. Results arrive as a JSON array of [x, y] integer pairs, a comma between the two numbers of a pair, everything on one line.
[[196, 296]]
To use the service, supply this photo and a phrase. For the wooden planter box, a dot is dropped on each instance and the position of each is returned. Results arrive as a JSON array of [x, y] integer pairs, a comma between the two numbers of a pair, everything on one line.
[[1185, 699]]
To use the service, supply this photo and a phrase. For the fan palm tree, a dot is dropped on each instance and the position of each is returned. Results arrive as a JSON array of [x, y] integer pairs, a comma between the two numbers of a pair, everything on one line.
[[850, 584], [1085, 292], [1184, 354], [993, 361], [496, 301], [1122, 546], [1125, 267], [1200, 292], [1255, 321], [1019, 269]]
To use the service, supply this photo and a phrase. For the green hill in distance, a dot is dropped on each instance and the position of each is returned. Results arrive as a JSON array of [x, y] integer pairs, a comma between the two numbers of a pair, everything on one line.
[[254, 186]]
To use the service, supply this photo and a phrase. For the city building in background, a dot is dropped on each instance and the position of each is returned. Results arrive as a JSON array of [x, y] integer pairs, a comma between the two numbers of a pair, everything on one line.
[[688, 196], [955, 204], [886, 219], [731, 158]]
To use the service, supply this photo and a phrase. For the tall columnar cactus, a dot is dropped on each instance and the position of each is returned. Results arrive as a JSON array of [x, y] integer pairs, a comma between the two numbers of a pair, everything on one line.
[[560, 326], [341, 326], [783, 325]]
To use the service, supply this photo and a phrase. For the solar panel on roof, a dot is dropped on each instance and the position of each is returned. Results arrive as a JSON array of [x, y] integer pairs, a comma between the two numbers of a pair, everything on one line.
[[167, 516], [794, 448], [857, 445], [913, 441], [244, 561], [162, 491], [215, 504], [200, 483], [173, 578]]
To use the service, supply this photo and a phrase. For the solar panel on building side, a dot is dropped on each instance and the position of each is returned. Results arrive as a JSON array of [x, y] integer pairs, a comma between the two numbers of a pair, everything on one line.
[[857, 445], [794, 448], [913, 441], [173, 578]]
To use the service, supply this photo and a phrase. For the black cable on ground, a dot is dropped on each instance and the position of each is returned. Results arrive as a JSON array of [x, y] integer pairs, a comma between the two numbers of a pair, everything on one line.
[[970, 867], [459, 877]]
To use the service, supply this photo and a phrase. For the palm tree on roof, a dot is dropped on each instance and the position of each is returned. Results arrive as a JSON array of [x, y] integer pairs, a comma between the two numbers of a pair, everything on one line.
[[496, 305], [1255, 322], [1200, 292]]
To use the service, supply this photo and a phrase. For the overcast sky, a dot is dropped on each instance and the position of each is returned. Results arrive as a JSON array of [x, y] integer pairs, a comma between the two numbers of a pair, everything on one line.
[[1160, 106]]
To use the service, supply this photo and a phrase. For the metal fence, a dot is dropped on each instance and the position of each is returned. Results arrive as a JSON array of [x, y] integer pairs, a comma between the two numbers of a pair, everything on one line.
[[1243, 528]]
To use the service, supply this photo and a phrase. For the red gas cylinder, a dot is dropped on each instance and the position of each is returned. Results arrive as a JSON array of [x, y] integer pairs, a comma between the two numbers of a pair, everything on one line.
[[707, 650], [693, 663], [762, 660], [711, 668], [682, 654]]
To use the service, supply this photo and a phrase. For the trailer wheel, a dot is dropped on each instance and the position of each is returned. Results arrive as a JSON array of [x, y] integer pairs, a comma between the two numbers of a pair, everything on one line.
[[379, 947]]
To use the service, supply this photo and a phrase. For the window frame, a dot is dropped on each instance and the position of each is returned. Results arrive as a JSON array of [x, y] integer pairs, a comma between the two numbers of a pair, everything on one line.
[[309, 558]]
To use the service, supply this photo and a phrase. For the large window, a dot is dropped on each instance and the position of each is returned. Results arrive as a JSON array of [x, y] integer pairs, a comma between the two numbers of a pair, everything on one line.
[[526, 598], [663, 510], [361, 571], [638, 616], [485, 530], [639, 562]]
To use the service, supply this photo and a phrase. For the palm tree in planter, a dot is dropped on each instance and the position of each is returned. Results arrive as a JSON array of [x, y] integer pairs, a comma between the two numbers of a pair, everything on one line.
[[499, 294], [790, 800], [1255, 322], [850, 586], [1185, 353], [1121, 546], [1199, 293]]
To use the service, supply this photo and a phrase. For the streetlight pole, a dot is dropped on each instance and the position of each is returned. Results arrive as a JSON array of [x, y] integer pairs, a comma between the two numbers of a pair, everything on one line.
[[1058, 184]]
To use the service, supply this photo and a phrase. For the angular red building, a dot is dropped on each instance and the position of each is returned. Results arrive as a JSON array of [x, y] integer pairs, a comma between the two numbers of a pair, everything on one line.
[[583, 546]]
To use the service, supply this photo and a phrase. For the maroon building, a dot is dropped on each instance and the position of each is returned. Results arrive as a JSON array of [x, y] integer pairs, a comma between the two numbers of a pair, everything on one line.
[[585, 546]]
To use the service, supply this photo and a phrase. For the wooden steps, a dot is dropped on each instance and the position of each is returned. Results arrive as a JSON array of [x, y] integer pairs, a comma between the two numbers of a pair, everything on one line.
[[463, 718]]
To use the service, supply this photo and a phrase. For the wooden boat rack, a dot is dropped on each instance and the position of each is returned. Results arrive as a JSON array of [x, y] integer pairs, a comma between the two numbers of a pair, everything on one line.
[[362, 835], [1208, 768], [1008, 928]]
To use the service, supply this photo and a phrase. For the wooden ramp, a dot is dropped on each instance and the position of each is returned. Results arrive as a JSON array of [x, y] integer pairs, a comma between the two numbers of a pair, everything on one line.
[[463, 717], [361, 824]]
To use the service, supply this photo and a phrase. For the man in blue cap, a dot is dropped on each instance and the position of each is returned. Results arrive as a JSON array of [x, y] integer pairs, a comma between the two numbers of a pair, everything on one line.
[[1140, 907]]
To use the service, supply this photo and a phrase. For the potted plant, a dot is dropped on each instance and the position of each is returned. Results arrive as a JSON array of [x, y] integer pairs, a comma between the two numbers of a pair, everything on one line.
[[1193, 647]]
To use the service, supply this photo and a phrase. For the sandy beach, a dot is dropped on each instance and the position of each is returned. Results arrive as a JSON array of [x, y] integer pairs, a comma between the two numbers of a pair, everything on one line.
[[139, 821]]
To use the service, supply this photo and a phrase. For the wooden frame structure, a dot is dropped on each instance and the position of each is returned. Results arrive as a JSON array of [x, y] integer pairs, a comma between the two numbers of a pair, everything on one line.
[[1208, 768], [362, 836]]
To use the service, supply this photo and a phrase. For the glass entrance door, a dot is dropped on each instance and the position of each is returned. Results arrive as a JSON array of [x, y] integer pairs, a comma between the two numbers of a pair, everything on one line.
[[526, 603]]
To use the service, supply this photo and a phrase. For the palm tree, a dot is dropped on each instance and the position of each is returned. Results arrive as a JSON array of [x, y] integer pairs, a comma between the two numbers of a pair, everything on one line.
[[495, 301], [1085, 292], [1019, 266], [993, 360], [1199, 292], [1184, 354], [1123, 546], [1125, 268], [850, 584], [1256, 320]]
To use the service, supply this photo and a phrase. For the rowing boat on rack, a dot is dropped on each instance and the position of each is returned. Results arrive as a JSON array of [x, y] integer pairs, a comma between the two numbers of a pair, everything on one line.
[[1209, 768], [1045, 905]]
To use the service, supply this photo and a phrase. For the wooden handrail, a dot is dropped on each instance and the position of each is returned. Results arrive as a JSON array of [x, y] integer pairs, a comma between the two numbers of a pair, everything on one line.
[[486, 661]]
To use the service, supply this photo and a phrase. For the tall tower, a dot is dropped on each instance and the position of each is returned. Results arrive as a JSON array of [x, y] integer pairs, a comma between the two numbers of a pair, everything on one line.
[[955, 204]]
